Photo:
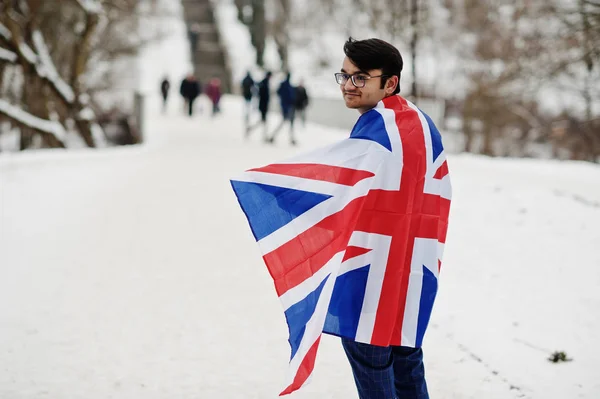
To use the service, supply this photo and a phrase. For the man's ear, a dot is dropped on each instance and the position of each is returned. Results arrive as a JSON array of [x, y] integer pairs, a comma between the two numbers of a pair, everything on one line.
[[390, 85]]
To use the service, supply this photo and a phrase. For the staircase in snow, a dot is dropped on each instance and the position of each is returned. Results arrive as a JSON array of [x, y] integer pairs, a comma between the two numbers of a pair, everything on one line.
[[209, 58]]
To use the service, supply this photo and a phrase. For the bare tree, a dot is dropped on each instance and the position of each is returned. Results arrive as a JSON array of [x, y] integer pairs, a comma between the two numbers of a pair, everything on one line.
[[414, 18], [252, 14], [51, 46], [398, 21], [48, 100], [280, 30]]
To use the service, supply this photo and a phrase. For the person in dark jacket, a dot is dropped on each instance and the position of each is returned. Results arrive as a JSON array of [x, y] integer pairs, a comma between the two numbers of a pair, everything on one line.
[[165, 86], [287, 100], [248, 90], [190, 89], [301, 102], [264, 96]]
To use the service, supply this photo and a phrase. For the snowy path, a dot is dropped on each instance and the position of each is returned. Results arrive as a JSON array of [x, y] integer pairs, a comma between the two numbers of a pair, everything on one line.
[[130, 273]]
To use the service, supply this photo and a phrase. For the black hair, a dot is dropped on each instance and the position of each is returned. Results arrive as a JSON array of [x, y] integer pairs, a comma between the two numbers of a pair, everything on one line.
[[375, 54]]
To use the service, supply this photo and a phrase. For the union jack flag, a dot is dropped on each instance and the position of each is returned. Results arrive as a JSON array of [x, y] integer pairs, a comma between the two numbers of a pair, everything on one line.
[[353, 234]]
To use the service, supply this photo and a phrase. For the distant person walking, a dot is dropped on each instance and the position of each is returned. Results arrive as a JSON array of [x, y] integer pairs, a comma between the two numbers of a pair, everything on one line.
[[190, 89], [213, 91], [165, 86], [248, 90], [287, 100], [264, 96], [301, 102]]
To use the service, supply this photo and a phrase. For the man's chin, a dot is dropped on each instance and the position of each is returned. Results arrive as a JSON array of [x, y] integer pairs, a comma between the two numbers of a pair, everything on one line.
[[350, 104]]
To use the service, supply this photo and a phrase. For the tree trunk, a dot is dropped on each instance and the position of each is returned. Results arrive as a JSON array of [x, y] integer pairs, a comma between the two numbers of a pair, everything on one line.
[[468, 133], [414, 14], [2, 69], [26, 138], [28, 97], [240, 4], [281, 33], [258, 30], [588, 59], [85, 130], [488, 138]]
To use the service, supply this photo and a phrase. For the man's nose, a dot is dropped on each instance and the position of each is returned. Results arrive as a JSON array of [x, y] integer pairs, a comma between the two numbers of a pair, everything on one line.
[[348, 86]]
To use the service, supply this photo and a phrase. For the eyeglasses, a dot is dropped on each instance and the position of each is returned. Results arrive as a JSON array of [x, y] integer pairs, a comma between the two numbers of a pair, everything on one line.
[[358, 80]]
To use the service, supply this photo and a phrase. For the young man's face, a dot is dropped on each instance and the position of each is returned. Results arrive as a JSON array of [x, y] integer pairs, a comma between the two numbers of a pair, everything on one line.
[[363, 98]]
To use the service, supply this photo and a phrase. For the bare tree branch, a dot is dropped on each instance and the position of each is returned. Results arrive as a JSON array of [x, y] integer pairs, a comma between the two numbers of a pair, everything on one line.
[[82, 50], [4, 32], [92, 7], [7, 55], [46, 68], [43, 126]]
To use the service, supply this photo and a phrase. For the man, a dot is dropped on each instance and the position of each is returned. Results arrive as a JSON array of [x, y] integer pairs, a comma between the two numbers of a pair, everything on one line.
[[353, 234], [287, 94], [248, 87], [165, 86], [370, 73], [301, 102], [264, 97], [190, 89]]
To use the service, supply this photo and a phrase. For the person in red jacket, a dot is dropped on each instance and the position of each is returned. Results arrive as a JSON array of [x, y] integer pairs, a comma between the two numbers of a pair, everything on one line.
[[213, 91]]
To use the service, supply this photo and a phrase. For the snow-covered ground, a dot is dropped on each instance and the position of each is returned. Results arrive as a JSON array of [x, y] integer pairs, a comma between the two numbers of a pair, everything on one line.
[[131, 272]]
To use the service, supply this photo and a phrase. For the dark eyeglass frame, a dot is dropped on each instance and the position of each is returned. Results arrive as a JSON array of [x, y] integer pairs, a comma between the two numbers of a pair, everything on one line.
[[341, 78]]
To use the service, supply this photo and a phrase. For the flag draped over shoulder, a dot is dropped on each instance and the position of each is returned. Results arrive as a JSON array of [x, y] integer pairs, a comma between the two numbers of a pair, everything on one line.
[[353, 234]]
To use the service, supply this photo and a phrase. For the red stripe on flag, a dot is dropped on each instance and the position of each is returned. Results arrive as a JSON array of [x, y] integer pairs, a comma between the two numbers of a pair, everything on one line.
[[304, 255], [435, 212], [388, 101], [431, 205], [427, 227], [332, 174], [388, 330], [306, 367], [353, 252], [444, 215], [442, 171]]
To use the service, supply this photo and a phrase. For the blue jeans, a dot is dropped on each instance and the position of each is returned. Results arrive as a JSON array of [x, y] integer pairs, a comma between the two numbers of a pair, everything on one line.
[[392, 372]]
